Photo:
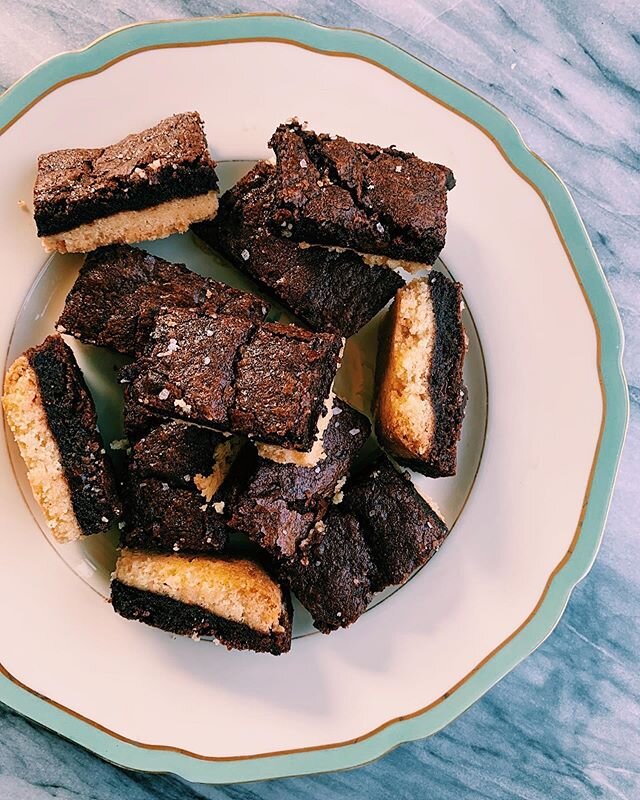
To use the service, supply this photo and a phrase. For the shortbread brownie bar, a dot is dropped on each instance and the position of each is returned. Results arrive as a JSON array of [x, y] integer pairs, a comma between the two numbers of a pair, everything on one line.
[[53, 418], [147, 186], [120, 289], [277, 504], [334, 291], [264, 380], [421, 396], [401, 528], [232, 600], [379, 201]]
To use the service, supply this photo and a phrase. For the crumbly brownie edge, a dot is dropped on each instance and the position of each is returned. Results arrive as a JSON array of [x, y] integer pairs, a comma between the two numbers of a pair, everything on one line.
[[184, 619], [27, 419], [128, 227]]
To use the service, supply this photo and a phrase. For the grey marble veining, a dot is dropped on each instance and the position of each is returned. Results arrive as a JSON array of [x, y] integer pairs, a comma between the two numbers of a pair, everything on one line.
[[565, 723]]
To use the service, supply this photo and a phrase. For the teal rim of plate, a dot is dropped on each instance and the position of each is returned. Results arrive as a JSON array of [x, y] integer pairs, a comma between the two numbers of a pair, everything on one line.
[[128, 40]]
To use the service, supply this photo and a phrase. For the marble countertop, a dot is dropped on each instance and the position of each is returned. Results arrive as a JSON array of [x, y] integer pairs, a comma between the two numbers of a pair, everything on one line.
[[564, 724]]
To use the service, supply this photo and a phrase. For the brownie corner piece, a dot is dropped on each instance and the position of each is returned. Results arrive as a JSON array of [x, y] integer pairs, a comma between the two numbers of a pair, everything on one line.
[[333, 575], [401, 528], [283, 380], [379, 201], [53, 418], [420, 392]]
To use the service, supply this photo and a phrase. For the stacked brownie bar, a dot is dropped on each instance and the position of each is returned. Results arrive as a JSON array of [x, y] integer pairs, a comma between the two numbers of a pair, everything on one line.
[[147, 186]]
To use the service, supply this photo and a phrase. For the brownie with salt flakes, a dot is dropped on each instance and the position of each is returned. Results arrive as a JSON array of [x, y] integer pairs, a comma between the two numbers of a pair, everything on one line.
[[175, 490], [402, 531], [263, 380], [376, 200], [120, 289], [283, 378], [146, 186], [51, 413], [329, 290], [334, 575], [277, 504]]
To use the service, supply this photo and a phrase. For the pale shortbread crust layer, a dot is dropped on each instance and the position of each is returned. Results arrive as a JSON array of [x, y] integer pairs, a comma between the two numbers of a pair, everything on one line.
[[285, 455], [232, 588], [223, 457], [27, 419], [373, 260], [405, 411], [129, 227]]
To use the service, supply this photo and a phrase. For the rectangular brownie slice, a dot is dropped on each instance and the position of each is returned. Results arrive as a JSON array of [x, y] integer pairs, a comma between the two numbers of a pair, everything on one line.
[[120, 289], [401, 529], [146, 186], [334, 575], [264, 380], [284, 377], [53, 419], [277, 504], [334, 291], [421, 396], [378, 201], [174, 497], [232, 600]]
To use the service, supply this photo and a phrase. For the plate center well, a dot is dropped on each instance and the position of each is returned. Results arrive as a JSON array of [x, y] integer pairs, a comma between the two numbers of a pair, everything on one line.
[[93, 559]]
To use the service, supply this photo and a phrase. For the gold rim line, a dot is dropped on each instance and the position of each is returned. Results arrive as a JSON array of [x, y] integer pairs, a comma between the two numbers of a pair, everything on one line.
[[566, 557]]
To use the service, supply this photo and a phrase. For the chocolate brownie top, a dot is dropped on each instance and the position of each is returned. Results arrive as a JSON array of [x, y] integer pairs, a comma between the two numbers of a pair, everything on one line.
[[190, 620], [168, 161], [165, 517], [189, 369], [72, 419], [334, 578], [277, 504], [120, 289], [329, 290], [283, 377], [165, 509], [265, 380], [373, 199], [401, 529]]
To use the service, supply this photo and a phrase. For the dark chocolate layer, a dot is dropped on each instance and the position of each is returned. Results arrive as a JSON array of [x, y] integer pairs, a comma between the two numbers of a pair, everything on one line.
[[165, 162], [330, 290], [446, 386], [72, 419], [190, 620], [120, 289], [375, 200], [400, 527], [276, 505]]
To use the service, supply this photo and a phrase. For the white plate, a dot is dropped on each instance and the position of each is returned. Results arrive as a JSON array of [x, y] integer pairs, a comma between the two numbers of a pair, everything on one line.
[[544, 353]]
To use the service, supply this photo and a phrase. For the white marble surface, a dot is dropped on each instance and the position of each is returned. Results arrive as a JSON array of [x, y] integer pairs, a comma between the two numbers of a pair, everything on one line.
[[565, 723]]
